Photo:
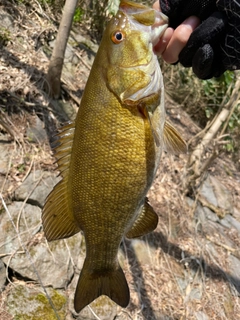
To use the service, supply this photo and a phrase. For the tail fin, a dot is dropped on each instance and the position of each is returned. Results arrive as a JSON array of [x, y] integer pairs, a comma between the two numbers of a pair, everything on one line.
[[111, 283]]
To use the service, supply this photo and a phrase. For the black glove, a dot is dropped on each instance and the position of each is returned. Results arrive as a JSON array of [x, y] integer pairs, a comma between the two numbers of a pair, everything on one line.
[[214, 46]]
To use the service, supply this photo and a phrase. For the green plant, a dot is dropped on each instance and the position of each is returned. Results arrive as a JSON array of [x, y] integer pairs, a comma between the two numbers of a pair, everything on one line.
[[4, 36], [78, 15], [113, 6], [217, 91], [21, 168]]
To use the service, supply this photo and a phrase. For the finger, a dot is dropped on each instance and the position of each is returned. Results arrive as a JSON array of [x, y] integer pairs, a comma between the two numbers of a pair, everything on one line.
[[160, 47], [179, 39], [156, 6]]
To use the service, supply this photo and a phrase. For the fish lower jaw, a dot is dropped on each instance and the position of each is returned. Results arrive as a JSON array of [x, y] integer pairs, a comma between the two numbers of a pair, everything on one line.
[[157, 32]]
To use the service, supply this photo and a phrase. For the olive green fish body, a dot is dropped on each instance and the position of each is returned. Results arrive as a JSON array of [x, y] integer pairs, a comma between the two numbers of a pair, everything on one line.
[[112, 170], [108, 158], [115, 156], [113, 165]]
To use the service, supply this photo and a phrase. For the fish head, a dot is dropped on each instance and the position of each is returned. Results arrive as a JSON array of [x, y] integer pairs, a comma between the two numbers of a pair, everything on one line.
[[133, 71]]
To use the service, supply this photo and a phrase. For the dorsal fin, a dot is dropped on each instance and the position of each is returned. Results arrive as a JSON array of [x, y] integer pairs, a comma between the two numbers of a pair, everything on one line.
[[64, 145], [173, 142], [57, 217]]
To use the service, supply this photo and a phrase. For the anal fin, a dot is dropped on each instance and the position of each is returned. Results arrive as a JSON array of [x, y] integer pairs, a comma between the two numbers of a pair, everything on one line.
[[146, 222]]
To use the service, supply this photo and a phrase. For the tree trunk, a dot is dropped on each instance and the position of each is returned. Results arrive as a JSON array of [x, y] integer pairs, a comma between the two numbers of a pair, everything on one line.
[[56, 62]]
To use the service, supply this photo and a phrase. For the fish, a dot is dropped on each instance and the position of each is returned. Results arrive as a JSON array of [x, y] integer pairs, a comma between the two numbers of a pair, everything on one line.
[[108, 157]]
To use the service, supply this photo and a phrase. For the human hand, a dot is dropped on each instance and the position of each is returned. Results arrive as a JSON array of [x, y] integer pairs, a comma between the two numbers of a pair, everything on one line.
[[214, 46], [173, 41]]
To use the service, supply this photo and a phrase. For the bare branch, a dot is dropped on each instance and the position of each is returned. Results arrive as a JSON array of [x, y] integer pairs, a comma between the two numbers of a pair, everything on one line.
[[195, 160]]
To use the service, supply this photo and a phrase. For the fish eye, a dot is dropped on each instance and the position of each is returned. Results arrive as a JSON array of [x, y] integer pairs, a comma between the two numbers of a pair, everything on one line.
[[117, 37]]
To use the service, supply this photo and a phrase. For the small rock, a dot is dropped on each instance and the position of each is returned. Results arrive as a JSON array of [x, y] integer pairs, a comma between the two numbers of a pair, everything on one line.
[[62, 114], [235, 271], [236, 213], [53, 263], [201, 315], [26, 218], [195, 294], [5, 153], [68, 109], [215, 193], [229, 222], [144, 253], [36, 131], [75, 60], [103, 307], [206, 191], [158, 315], [40, 183], [69, 53], [3, 276], [6, 20], [200, 215], [222, 194], [214, 229], [190, 201], [210, 215], [25, 302], [207, 218], [77, 38]]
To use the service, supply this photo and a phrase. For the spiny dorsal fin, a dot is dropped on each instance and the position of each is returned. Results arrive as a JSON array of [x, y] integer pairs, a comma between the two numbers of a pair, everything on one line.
[[64, 145], [172, 139], [57, 217]]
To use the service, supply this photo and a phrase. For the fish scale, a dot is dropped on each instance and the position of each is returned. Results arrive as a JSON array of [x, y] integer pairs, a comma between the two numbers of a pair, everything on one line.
[[109, 156]]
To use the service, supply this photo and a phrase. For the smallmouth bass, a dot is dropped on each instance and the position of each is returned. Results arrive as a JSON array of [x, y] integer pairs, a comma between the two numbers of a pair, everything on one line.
[[109, 156]]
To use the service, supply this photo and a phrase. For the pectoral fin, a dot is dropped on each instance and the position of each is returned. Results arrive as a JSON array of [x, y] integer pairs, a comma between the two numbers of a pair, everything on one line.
[[173, 141], [146, 222]]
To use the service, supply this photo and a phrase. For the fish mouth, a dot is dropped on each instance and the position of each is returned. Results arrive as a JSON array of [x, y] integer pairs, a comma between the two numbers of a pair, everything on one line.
[[158, 28], [145, 19]]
